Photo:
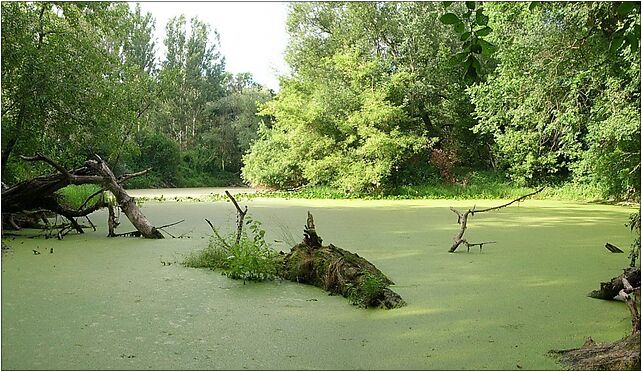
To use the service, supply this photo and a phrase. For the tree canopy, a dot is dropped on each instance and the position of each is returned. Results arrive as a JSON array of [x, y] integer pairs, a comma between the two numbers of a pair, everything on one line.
[[380, 95]]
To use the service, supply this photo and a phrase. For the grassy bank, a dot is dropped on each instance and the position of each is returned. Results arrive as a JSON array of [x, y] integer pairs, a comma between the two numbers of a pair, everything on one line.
[[481, 187], [480, 190]]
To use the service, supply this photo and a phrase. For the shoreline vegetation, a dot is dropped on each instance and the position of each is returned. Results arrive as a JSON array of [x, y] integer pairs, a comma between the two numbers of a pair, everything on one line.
[[75, 195]]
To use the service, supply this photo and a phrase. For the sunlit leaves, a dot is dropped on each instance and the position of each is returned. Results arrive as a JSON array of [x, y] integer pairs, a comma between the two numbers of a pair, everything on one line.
[[449, 19], [472, 28]]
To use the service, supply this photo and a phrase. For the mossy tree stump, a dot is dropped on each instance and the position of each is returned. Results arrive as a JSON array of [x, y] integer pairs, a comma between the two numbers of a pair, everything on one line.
[[338, 271]]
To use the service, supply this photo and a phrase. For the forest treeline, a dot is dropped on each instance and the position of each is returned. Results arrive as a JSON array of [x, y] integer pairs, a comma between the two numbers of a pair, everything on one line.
[[380, 95], [84, 78]]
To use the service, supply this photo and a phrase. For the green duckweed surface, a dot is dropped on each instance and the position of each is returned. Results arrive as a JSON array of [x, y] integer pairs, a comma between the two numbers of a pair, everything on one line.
[[101, 303]]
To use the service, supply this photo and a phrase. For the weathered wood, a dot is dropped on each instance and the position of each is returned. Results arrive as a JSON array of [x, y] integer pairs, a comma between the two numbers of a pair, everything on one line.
[[337, 271], [39, 192], [613, 248], [622, 355], [462, 220], [608, 290], [240, 216]]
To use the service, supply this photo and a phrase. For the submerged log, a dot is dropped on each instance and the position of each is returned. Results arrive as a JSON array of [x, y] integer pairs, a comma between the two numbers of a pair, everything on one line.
[[338, 271]]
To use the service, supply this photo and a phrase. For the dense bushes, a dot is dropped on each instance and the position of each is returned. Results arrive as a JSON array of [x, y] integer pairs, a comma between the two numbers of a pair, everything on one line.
[[377, 98], [561, 104]]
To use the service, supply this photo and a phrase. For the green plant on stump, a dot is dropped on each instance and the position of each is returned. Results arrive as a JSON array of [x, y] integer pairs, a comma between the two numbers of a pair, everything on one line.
[[364, 293], [252, 259]]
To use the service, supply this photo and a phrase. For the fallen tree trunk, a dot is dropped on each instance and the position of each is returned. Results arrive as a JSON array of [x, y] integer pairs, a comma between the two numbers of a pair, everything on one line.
[[39, 193], [338, 271]]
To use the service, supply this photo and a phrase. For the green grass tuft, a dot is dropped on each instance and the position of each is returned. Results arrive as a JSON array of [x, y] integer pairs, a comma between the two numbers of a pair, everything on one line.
[[251, 259], [73, 196]]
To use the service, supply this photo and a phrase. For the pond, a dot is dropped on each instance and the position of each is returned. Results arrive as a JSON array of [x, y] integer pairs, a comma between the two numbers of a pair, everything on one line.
[[109, 303]]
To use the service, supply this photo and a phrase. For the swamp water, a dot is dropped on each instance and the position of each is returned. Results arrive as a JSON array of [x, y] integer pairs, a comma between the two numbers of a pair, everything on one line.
[[105, 303]]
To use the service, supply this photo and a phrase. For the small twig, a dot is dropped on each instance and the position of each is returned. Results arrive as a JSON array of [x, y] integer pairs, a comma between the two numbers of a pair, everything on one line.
[[481, 244], [220, 238], [91, 223], [91, 197], [170, 224], [209, 223], [167, 232]]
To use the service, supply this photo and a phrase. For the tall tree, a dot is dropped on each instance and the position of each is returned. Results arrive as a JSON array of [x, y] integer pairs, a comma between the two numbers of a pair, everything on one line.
[[190, 78], [63, 83]]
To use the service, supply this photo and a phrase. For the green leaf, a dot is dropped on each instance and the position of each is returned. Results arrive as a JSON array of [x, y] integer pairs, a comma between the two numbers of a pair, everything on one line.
[[484, 31], [474, 62], [625, 8], [446, 4], [470, 5], [616, 43], [459, 27], [465, 36], [633, 41], [533, 5], [481, 18], [459, 57], [487, 48], [475, 48], [449, 19]]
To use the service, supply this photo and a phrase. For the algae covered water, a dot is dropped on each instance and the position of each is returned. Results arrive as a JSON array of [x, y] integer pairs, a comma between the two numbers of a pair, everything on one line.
[[114, 303]]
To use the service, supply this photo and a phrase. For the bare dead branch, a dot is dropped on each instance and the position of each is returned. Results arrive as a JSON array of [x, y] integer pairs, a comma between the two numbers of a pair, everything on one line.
[[462, 220], [170, 224], [239, 217], [91, 197], [40, 157], [128, 176], [509, 203]]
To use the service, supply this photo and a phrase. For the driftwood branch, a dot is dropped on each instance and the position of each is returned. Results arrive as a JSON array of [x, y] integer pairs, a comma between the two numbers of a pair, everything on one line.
[[40, 157], [239, 217], [310, 237], [613, 248], [462, 220], [128, 176], [39, 193]]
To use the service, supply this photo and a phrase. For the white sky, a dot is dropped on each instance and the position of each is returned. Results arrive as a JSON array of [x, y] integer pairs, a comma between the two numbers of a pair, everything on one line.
[[252, 34]]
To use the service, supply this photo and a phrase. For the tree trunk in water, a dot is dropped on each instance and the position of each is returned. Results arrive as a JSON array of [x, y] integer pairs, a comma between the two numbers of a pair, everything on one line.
[[338, 271], [39, 193]]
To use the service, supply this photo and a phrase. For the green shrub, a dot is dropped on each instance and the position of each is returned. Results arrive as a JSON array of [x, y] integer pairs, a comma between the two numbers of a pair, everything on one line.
[[251, 259]]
